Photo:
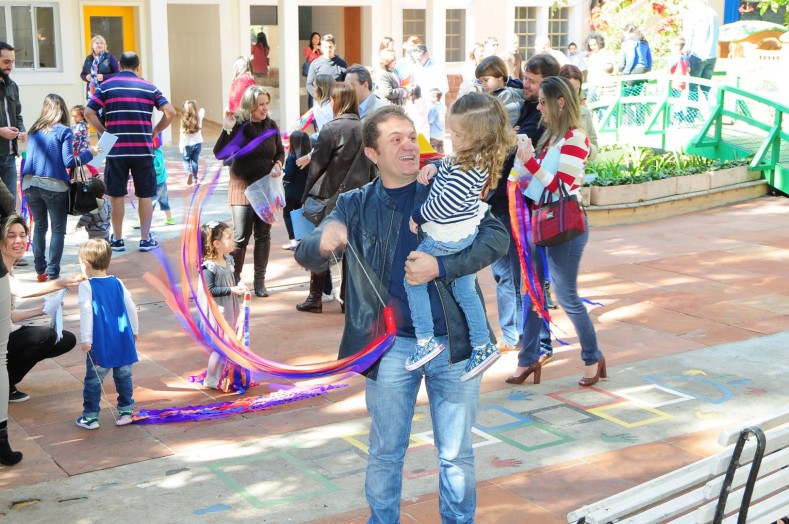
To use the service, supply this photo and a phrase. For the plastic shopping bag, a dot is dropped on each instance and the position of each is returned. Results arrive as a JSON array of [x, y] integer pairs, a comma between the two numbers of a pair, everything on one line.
[[267, 197]]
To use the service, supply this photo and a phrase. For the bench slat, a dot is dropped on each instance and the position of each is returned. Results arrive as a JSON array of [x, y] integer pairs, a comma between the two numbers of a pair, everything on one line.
[[770, 463], [764, 486], [766, 511], [649, 492], [729, 436], [776, 439], [665, 511]]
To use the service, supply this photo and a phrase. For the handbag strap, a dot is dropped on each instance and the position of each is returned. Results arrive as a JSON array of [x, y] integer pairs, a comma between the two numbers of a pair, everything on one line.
[[350, 170], [80, 171]]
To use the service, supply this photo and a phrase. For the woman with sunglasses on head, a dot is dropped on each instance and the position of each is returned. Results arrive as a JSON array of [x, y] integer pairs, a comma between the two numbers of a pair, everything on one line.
[[560, 106]]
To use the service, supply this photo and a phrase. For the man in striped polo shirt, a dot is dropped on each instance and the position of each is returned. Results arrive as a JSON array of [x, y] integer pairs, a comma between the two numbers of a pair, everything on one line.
[[128, 103]]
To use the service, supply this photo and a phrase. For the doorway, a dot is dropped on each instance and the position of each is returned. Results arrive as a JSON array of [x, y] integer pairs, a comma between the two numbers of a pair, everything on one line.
[[115, 23]]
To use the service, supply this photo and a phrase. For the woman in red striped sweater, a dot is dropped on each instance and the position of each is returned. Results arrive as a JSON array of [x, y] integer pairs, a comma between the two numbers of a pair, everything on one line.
[[560, 106]]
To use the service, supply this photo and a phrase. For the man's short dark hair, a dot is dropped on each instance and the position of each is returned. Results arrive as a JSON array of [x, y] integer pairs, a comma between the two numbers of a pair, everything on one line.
[[362, 73], [371, 131], [419, 49], [328, 38], [129, 60], [6, 47], [544, 65]]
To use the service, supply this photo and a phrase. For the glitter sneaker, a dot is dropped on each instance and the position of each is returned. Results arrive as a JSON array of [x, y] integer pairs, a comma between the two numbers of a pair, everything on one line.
[[481, 359], [423, 353]]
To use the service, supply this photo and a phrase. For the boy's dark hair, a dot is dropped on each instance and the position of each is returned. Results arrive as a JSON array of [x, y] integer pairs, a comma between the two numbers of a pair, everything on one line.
[[98, 186], [96, 253], [436, 94], [491, 66], [129, 60]]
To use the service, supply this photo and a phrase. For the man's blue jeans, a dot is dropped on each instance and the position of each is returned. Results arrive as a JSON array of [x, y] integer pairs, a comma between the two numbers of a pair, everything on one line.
[[464, 290], [507, 274], [91, 393], [48, 206], [391, 398], [8, 173]]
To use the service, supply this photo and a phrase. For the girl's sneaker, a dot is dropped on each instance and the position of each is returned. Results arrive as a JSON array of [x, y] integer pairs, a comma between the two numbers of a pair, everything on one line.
[[169, 221], [88, 423], [125, 418], [423, 353], [481, 359]]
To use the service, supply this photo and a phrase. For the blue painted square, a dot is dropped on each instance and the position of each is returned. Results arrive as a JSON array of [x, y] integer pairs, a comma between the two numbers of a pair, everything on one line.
[[518, 419]]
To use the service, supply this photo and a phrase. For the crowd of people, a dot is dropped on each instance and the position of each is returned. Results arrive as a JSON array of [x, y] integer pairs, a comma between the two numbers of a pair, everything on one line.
[[408, 239]]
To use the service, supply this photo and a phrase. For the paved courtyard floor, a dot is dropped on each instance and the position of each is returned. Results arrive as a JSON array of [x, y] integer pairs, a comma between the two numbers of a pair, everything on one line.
[[693, 323]]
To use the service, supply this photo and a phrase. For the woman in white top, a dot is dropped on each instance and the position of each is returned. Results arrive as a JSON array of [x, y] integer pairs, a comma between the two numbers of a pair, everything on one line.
[[321, 107]]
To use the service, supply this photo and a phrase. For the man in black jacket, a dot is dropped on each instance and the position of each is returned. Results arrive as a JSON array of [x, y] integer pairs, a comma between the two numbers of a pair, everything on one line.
[[507, 270], [12, 128], [371, 225]]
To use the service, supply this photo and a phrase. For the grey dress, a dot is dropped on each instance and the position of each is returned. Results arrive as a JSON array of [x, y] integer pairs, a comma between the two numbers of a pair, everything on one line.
[[219, 280]]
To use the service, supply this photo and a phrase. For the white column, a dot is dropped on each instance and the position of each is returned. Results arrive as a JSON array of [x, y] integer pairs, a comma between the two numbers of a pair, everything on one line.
[[436, 29], [160, 67], [290, 59]]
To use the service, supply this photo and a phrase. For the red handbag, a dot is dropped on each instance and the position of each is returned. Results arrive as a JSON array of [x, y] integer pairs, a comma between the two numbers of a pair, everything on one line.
[[556, 222]]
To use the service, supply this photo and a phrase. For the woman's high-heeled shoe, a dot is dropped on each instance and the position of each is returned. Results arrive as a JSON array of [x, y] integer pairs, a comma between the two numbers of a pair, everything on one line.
[[534, 367], [601, 373]]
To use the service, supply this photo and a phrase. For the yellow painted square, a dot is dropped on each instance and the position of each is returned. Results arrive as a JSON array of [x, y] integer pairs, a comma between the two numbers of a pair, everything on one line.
[[414, 441], [658, 415]]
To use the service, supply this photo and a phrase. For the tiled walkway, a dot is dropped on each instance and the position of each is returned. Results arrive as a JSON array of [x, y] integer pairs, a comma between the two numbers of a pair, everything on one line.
[[677, 295]]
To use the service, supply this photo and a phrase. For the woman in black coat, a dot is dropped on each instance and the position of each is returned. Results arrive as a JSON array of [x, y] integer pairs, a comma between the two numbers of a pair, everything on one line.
[[99, 66], [338, 152]]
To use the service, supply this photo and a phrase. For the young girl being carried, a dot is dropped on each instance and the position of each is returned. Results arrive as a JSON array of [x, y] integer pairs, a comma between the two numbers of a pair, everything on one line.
[[481, 137], [191, 142], [220, 282]]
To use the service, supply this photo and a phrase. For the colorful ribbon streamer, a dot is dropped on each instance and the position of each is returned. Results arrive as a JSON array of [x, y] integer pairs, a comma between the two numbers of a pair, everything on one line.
[[213, 337], [226, 409]]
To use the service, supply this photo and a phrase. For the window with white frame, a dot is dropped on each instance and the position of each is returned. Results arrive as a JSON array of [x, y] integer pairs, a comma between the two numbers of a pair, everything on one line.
[[414, 23], [456, 35], [30, 28], [559, 27], [526, 28]]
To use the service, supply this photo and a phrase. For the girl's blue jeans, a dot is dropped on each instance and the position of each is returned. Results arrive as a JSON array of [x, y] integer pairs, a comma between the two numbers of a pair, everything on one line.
[[464, 290], [191, 158]]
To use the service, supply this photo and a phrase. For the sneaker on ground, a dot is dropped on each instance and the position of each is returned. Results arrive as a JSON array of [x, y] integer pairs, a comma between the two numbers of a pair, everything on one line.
[[18, 396], [117, 245], [148, 245], [481, 359], [88, 423], [327, 298], [423, 353], [291, 245], [136, 225], [505, 347], [124, 419], [42, 277], [169, 222], [21, 262]]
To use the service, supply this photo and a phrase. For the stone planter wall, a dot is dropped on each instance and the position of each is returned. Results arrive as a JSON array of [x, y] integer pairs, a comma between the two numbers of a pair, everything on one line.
[[635, 203]]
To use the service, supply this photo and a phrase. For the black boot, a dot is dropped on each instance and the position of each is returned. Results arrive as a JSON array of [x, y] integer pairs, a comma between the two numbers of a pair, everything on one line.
[[549, 303], [262, 250], [7, 456], [238, 261], [313, 304]]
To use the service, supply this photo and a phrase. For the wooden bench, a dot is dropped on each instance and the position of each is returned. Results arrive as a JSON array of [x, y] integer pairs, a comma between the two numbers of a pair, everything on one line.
[[751, 476]]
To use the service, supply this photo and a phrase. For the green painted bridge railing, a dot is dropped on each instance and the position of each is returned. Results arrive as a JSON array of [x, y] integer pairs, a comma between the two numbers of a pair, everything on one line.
[[728, 123]]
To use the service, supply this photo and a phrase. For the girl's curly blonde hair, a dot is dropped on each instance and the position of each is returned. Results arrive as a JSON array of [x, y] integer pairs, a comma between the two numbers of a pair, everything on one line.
[[489, 137]]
